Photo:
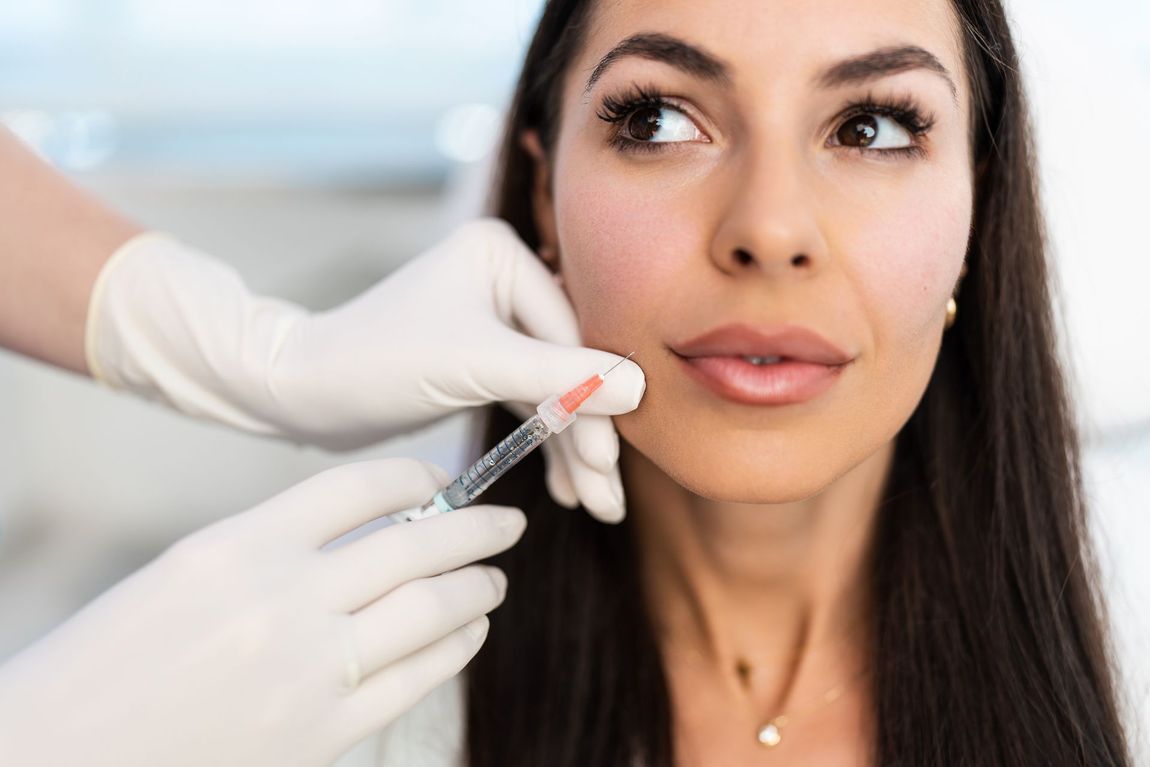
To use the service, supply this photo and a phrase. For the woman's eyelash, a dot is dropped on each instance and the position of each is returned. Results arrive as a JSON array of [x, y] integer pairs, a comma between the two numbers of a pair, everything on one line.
[[904, 110], [617, 109]]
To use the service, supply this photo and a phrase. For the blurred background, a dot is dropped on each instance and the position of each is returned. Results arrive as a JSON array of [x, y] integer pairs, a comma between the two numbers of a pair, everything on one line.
[[317, 146]]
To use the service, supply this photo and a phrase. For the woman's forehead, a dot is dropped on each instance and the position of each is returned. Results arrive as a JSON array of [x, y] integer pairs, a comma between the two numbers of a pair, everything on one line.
[[796, 41]]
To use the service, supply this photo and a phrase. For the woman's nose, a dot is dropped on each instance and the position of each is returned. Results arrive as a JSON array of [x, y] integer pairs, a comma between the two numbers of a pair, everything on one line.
[[768, 223]]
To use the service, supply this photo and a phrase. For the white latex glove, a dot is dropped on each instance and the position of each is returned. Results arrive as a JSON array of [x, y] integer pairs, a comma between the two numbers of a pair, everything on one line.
[[477, 319], [246, 644]]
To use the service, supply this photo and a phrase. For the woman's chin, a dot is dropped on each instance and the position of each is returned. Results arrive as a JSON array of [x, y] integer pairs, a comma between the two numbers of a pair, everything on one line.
[[784, 464], [759, 489], [729, 478]]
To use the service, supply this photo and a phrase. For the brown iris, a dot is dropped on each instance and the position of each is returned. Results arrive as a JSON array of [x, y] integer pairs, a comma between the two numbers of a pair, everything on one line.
[[644, 123], [859, 131]]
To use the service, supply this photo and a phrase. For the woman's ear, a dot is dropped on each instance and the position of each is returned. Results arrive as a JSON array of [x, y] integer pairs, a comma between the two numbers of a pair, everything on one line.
[[542, 202]]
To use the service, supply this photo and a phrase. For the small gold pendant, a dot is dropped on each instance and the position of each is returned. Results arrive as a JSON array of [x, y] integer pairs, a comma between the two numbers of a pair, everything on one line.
[[769, 734]]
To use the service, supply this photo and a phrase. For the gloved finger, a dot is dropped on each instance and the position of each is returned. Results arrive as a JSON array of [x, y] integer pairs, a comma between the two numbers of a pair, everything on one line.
[[395, 689], [423, 611], [360, 572], [337, 501], [615, 489], [524, 289], [517, 368], [600, 493], [557, 479], [596, 441]]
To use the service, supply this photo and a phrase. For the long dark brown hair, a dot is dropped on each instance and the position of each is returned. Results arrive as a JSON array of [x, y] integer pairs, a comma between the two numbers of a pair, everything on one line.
[[990, 646]]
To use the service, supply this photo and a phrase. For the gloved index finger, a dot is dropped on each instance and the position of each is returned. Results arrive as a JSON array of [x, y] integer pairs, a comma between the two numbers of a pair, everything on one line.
[[371, 566], [523, 369]]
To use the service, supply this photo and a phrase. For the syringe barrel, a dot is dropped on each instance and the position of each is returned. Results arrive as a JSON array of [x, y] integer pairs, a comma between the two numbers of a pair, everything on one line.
[[550, 418], [481, 474]]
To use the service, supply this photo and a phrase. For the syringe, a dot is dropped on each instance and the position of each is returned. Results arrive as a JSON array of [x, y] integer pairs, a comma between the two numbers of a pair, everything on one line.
[[553, 416]]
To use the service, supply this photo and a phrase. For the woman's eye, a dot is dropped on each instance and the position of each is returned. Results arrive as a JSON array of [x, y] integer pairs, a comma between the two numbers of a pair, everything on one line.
[[655, 124], [871, 131]]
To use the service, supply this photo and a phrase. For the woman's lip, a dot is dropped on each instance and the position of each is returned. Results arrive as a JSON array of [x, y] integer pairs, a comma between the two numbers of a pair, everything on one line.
[[782, 383], [793, 342]]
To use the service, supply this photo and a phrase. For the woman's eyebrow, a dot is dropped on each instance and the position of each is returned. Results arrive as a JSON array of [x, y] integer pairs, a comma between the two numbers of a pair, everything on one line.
[[884, 62], [695, 61], [667, 49]]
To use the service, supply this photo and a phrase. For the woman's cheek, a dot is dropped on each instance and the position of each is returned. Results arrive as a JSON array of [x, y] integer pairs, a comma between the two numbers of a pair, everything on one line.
[[619, 252], [906, 263]]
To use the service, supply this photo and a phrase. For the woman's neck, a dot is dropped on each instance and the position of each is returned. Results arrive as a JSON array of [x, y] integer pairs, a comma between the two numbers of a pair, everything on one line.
[[778, 591]]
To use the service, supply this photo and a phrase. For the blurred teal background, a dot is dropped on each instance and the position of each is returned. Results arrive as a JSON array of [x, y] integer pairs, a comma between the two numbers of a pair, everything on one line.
[[347, 91]]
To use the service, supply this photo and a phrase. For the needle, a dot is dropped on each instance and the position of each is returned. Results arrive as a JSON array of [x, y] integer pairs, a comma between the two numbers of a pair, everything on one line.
[[617, 364]]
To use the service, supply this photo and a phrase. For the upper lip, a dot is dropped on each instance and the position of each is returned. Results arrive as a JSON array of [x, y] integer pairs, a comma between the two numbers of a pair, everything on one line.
[[742, 340]]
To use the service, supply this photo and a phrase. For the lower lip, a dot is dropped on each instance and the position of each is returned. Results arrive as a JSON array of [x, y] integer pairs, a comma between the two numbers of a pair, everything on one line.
[[787, 382]]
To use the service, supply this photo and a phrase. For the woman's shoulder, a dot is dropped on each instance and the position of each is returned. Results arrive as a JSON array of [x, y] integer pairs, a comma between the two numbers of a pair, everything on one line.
[[430, 734]]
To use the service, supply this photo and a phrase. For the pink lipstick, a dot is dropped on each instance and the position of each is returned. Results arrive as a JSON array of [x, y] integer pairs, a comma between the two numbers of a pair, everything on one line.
[[784, 365]]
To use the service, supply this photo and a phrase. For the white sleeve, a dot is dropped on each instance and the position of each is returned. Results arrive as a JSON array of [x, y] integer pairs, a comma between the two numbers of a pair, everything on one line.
[[431, 733]]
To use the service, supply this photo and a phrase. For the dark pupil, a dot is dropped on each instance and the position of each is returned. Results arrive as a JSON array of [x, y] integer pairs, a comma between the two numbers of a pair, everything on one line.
[[858, 131], [643, 124]]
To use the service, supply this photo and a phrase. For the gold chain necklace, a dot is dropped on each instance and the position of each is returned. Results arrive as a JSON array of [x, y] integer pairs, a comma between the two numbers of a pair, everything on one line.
[[770, 733]]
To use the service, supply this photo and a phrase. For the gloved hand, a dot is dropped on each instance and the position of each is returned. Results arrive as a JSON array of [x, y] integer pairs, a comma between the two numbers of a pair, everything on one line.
[[248, 644], [449, 330]]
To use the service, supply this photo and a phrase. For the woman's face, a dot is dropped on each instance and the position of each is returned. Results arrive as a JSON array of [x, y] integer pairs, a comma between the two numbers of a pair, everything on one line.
[[727, 170]]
